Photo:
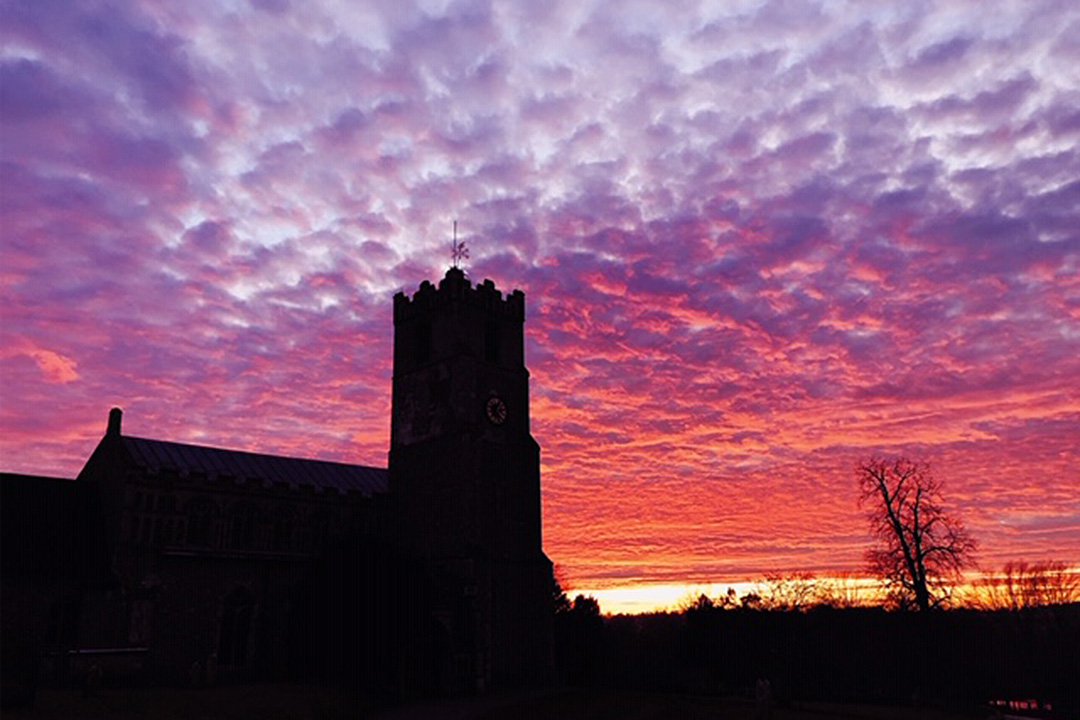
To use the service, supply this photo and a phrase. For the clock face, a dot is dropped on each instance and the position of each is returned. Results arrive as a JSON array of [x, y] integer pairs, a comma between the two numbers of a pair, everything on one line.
[[496, 410]]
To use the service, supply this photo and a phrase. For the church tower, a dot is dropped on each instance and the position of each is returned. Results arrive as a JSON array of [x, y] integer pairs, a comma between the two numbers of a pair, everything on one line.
[[465, 479]]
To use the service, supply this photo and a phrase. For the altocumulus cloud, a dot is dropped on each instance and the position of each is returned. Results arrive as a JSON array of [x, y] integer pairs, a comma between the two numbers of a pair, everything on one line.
[[759, 241]]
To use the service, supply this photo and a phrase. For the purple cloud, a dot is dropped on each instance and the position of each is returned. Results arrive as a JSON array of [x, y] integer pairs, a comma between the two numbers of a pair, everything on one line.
[[756, 245]]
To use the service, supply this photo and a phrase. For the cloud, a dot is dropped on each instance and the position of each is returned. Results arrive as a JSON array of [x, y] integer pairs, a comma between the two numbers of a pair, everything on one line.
[[56, 368], [758, 241], [52, 367]]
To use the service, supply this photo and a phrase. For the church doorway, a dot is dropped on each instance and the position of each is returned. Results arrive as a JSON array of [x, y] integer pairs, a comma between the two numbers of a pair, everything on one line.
[[435, 660], [236, 612]]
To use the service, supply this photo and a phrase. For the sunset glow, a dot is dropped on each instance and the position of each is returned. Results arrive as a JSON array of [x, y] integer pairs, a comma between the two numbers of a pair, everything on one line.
[[759, 241]]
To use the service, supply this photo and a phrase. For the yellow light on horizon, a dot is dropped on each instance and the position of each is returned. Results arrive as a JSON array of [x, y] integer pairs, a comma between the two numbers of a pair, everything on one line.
[[637, 599]]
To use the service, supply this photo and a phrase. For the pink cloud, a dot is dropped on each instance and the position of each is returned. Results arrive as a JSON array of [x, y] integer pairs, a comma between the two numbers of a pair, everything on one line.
[[755, 248], [56, 368]]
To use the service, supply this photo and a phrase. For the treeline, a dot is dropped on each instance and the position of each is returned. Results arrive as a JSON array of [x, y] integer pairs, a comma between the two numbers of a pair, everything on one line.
[[1016, 586], [1022, 585], [811, 650]]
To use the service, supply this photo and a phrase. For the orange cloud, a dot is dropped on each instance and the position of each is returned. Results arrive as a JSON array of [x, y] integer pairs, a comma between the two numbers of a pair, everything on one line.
[[56, 367]]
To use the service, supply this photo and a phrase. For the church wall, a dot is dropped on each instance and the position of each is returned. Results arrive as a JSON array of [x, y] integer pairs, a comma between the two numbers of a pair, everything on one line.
[[184, 546], [438, 586]]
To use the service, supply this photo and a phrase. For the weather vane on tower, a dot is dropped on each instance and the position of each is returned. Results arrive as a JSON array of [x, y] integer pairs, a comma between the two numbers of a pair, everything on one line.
[[458, 251]]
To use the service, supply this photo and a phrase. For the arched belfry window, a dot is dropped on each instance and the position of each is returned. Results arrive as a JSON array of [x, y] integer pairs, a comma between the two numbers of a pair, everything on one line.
[[236, 612], [242, 525], [491, 342], [422, 341], [200, 512]]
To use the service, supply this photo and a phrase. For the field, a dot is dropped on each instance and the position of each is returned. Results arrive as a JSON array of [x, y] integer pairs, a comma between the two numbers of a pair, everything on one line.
[[300, 702]]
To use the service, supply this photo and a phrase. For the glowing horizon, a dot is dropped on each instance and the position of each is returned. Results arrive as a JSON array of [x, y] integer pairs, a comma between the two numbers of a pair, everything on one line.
[[758, 243], [859, 589]]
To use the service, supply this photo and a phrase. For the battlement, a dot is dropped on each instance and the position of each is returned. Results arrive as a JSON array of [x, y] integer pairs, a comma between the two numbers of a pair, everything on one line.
[[455, 287]]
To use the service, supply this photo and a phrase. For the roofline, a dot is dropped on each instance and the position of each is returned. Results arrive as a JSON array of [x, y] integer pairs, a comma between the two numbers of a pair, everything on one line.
[[257, 454]]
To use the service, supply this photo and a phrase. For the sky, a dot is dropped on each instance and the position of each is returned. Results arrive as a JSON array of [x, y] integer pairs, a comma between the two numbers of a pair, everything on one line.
[[760, 241]]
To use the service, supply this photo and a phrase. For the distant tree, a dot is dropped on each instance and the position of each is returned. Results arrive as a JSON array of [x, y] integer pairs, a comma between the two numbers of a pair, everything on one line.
[[727, 600], [789, 592], [1053, 583], [560, 603], [920, 548], [587, 608], [1021, 585], [701, 603], [750, 601], [841, 591], [578, 639]]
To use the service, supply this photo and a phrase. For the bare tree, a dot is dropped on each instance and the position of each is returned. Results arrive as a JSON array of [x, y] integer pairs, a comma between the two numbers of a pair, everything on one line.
[[843, 590], [701, 603], [1055, 583], [792, 591], [920, 548], [1021, 585]]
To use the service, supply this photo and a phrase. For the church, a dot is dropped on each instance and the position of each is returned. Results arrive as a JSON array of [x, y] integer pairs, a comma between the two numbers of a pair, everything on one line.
[[173, 563]]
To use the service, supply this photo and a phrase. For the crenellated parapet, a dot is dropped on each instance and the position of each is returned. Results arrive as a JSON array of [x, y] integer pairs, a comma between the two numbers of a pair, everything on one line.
[[455, 287]]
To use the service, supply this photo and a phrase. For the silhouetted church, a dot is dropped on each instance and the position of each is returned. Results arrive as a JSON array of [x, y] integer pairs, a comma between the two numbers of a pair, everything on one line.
[[188, 564]]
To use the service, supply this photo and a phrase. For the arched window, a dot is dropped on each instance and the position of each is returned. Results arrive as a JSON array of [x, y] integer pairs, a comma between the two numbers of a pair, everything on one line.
[[422, 341], [161, 530], [167, 504], [200, 521], [242, 525], [236, 612], [318, 531], [284, 522], [62, 628], [491, 341]]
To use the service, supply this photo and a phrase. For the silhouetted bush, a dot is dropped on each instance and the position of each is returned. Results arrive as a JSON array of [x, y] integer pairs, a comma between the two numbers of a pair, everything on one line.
[[579, 640]]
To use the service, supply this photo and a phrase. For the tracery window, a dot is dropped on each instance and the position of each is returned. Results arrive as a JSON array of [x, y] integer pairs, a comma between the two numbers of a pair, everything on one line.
[[200, 521], [318, 531], [284, 522], [242, 525]]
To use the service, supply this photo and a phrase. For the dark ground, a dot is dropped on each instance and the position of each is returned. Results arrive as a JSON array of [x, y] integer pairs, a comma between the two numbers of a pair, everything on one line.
[[301, 702]]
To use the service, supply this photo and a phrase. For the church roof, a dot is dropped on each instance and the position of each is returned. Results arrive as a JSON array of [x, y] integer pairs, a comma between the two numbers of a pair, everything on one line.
[[240, 466]]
